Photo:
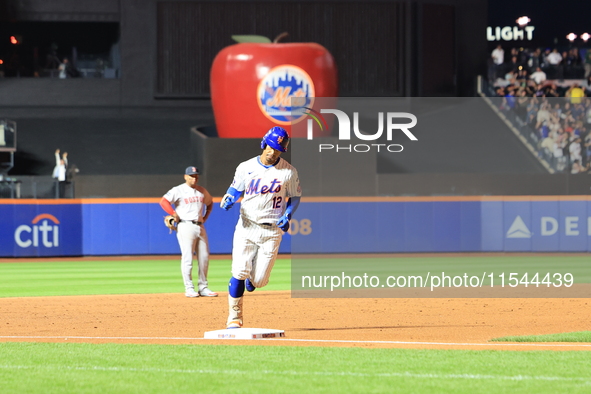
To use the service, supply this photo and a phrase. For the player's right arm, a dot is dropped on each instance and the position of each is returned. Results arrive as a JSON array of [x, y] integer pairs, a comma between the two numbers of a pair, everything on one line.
[[166, 204], [232, 195], [234, 191]]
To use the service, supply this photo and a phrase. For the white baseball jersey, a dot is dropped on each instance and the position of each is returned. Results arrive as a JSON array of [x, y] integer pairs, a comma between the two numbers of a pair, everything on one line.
[[189, 203], [266, 189]]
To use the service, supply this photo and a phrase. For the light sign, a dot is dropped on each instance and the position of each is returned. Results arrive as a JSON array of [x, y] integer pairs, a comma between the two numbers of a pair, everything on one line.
[[510, 33]]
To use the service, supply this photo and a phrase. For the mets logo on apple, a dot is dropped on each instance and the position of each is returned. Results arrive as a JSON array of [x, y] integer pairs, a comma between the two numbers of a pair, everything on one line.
[[278, 87]]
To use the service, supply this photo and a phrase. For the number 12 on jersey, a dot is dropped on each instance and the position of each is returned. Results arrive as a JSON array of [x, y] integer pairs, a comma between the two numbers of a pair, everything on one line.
[[277, 202]]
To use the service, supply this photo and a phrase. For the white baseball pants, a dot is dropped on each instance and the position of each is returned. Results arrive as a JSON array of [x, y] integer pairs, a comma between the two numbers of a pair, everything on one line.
[[254, 251], [193, 239]]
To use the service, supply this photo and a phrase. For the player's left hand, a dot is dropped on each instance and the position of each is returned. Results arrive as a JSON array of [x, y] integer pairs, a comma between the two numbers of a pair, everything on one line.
[[283, 222]]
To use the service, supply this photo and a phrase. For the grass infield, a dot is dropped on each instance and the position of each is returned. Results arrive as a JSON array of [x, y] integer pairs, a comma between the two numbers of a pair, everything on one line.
[[580, 336], [63, 368]]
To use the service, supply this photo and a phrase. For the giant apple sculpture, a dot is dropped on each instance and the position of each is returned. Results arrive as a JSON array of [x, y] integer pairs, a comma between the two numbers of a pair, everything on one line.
[[252, 86]]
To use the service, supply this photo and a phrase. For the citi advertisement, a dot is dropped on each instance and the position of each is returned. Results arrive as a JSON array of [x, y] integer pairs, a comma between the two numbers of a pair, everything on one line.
[[41, 230]]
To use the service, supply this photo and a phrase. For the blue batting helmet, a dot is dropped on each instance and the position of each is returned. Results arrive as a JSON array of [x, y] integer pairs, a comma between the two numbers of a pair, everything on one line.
[[276, 138]]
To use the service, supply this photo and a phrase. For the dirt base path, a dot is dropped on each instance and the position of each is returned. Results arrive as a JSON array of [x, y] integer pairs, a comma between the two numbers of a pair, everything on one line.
[[371, 322]]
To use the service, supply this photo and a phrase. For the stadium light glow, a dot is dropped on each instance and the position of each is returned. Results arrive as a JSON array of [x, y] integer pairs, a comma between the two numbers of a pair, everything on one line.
[[13, 40], [522, 21], [571, 37], [585, 36]]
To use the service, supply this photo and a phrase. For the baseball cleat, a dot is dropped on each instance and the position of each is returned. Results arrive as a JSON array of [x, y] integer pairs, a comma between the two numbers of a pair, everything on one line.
[[234, 324], [207, 293], [249, 286], [191, 293]]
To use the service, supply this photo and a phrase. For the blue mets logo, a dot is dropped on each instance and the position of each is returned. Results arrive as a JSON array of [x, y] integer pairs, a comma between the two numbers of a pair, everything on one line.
[[254, 187], [278, 87]]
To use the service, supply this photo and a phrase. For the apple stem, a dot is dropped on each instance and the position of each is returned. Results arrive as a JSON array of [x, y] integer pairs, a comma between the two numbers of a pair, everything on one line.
[[280, 37]]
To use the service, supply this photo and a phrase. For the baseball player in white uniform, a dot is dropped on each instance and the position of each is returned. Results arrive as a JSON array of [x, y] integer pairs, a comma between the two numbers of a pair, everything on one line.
[[271, 194], [191, 204]]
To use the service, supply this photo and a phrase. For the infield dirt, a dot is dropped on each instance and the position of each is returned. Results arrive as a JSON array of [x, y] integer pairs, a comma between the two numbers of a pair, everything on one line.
[[456, 323]]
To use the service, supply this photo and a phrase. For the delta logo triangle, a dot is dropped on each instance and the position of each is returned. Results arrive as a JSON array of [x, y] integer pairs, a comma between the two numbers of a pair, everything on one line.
[[518, 229]]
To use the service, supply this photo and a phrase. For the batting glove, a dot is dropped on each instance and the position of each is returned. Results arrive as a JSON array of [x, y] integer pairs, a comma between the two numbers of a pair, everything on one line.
[[283, 222], [227, 202]]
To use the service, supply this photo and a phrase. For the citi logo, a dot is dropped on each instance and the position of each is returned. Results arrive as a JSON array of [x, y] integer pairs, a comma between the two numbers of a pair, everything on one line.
[[44, 228], [345, 130]]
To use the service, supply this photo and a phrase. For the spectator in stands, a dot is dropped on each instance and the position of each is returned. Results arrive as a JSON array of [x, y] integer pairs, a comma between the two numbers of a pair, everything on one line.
[[510, 77], [545, 63], [543, 115], [578, 111], [547, 146], [498, 55], [587, 63], [558, 152], [579, 129], [539, 91], [551, 91], [535, 60], [67, 70], [587, 145], [575, 92], [554, 60], [509, 100], [564, 55], [498, 58], [521, 77], [514, 64], [59, 173], [557, 110], [586, 85], [532, 112], [575, 64], [63, 69], [566, 115], [514, 53], [575, 152], [538, 76]]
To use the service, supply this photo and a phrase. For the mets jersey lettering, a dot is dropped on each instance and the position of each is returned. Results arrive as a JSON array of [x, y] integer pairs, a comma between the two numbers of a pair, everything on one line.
[[266, 189], [253, 187]]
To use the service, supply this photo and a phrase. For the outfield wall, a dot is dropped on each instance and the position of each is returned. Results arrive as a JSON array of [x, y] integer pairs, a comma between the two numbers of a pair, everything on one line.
[[97, 227]]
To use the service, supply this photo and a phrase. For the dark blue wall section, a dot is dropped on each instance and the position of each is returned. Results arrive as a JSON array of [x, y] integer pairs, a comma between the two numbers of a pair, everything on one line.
[[130, 228], [491, 219], [470, 226], [40, 230]]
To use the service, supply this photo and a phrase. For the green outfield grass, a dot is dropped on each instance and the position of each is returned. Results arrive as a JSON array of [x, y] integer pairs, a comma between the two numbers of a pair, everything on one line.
[[64, 368], [33, 278], [30, 279], [51, 368], [580, 336]]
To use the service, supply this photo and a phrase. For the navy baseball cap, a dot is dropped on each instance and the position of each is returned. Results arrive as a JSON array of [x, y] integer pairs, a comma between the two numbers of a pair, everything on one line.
[[192, 171]]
